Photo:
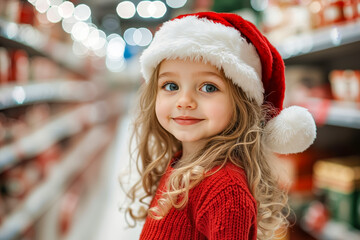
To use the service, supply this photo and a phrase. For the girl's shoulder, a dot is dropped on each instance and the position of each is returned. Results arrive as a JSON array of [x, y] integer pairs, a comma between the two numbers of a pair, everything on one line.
[[228, 175], [230, 180]]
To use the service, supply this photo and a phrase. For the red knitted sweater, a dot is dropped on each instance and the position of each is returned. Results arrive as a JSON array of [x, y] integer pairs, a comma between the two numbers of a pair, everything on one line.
[[219, 207]]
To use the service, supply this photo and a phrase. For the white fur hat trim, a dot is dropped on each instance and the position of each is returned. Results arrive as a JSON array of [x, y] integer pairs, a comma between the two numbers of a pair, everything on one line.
[[292, 131], [196, 39]]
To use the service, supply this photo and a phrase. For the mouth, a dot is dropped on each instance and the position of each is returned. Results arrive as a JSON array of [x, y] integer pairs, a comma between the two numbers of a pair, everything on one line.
[[186, 120]]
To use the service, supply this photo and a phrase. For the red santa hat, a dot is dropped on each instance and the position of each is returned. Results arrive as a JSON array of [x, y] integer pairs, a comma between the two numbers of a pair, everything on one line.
[[236, 46]]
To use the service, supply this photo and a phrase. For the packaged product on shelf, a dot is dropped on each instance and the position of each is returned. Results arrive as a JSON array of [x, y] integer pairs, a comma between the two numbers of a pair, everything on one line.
[[47, 159], [10, 10], [350, 10], [3, 130], [316, 12], [14, 186], [69, 205], [22, 66], [37, 115], [12, 129], [19, 69], [4, 66], [299, 169], [303, 82], [315, 217], [26, 13], [43, 69], [291, 19], [345, 85], [18, 181], [333, 12], [339, 179]]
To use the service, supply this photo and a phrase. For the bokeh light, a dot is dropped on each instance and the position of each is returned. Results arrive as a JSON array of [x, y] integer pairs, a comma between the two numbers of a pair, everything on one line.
[[138, 37], [142, 37], [68, 24], [82, 12], [53, 14], [42, 5], [176, 3], [80, 31], [129, 36], [143, 9], [66, 9], [147, 9], [79, 49], [115, 47], [115, 65], [126, 9], [159, 9]]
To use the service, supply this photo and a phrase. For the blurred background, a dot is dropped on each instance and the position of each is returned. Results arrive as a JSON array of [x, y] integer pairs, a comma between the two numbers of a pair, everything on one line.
[[69, 73]]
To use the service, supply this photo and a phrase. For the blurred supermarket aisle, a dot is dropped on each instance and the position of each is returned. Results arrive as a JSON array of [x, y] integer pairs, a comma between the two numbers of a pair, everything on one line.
[[112, 225]]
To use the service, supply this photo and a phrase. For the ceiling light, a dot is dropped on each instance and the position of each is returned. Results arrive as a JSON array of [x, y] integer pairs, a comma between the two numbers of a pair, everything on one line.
[[159, 9], [66, 9], [80, 31], [175, 3], [53, 14], [128, 36], [115, 47], [42, 5], [116, 65], [68, 23], [126, 9], [143, 9], [82, 12], [142, 37], [79, 49]]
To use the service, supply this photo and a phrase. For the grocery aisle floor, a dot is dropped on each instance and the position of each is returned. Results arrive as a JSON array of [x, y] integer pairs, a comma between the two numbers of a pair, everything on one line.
[[112, 224]]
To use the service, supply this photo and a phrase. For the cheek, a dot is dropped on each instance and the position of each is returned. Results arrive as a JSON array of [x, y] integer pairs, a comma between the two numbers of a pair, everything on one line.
[[221, 111], [161, 110]]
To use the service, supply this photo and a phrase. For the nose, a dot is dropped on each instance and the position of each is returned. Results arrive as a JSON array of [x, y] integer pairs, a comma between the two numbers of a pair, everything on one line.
[[186, 101]]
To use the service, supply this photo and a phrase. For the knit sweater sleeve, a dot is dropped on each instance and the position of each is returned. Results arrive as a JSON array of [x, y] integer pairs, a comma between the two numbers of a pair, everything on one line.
[[228, 214]]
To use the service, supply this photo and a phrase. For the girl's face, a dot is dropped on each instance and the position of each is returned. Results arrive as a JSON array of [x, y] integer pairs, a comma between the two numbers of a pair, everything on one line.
[[193, 100]]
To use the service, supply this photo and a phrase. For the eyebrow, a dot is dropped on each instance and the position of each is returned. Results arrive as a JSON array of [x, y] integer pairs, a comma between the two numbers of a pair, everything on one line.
[[167, 74], [209, 73]]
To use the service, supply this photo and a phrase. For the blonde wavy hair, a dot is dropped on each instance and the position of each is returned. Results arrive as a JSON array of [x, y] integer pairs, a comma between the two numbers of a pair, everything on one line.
[[240, 143]]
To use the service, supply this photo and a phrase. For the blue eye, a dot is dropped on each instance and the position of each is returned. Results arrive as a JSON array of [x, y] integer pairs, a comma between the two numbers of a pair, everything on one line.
[[209, 88], [171, 87]]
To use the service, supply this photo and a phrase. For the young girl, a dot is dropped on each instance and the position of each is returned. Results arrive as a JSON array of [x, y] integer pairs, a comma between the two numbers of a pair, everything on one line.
[[210, 116]]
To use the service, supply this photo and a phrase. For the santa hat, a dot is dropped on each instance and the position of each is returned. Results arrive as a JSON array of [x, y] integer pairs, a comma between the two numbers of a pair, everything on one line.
[[235, 45]]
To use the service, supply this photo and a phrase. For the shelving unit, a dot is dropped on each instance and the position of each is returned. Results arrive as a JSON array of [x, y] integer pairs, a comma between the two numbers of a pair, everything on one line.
[[62, 174], [49, 91], [63, 126], [335, 113], [81, 125], [321, 43], [329, 48], [21, 36]]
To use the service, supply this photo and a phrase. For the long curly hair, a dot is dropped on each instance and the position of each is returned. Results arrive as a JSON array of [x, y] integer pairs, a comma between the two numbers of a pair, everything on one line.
[[240, 143]]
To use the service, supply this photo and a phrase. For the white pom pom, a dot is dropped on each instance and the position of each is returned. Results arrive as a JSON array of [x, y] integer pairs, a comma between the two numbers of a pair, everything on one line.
[[292, 131]]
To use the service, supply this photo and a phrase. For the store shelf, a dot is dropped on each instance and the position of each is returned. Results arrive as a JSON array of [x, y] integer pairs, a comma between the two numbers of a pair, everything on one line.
[[49, 91], [333, 231], [59, 128], [321, 43], [24, 36], [59, 178], [336, 113]]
